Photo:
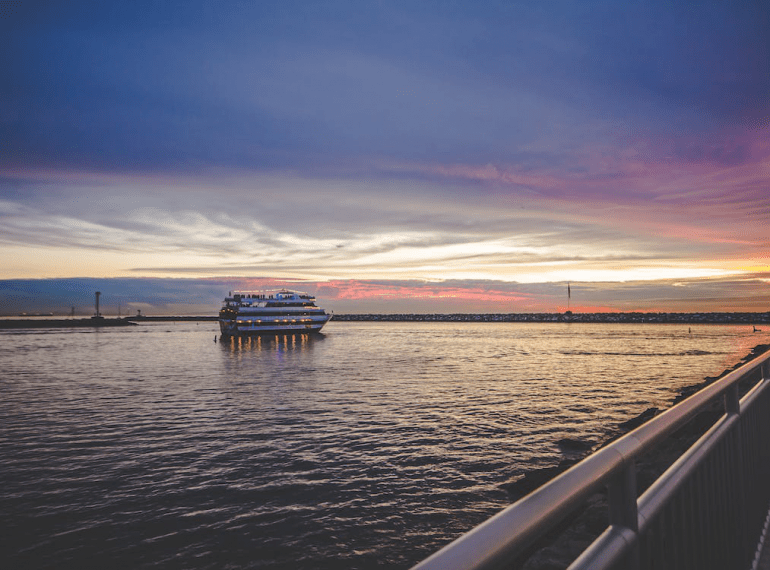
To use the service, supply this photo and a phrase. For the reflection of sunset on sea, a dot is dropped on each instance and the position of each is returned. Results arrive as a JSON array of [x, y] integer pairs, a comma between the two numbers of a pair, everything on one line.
[[387, 157]]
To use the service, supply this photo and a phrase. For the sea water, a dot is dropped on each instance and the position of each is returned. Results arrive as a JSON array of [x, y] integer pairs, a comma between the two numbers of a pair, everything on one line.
[[371, 445]]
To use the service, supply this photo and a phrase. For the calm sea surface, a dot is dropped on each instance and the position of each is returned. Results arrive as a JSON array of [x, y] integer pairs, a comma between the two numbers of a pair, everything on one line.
[[369, 446]]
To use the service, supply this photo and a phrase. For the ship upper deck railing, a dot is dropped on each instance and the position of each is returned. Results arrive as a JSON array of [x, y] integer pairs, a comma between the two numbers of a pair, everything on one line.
[[707, 510]]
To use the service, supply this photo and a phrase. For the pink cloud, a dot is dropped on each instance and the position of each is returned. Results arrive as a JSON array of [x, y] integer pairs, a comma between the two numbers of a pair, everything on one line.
[[711, 189], [642, 164], [358, 290]]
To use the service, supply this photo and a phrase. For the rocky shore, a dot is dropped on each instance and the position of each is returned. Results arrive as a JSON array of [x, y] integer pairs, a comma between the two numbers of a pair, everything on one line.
[[559, 548]]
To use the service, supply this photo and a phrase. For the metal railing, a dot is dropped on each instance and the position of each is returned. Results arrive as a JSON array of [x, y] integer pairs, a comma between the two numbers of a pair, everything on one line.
[[707, 510]]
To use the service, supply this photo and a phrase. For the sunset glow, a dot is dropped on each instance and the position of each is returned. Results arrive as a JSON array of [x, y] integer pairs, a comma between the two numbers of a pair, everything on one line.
[[468, 167]]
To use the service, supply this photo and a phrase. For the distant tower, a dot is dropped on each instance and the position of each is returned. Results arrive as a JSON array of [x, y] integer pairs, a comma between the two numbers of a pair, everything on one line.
[[97, 303], [73, 312]]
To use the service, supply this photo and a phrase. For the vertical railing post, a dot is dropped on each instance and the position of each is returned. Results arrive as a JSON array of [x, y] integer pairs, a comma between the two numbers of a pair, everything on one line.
[[732, 400], [621, 496], [733, 408]]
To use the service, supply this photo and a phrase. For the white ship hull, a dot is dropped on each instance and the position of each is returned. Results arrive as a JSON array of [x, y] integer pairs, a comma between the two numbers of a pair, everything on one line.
[[248, 327], [281, 312]]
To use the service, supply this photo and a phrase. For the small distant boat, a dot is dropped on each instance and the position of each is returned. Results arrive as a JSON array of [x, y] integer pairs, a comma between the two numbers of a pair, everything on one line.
[[247, 313]]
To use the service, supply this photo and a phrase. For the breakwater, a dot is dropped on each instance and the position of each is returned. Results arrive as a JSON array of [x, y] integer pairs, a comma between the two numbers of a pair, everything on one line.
[[722, 318], [655, 318], [62, 323], [165, 318]]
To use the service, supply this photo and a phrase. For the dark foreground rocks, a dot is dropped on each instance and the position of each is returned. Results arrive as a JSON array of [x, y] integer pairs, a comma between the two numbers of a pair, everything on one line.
[[562, 545]]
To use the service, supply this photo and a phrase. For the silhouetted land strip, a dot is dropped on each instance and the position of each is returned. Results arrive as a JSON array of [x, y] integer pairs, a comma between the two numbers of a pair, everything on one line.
[[139, 319], [655, 318], [680, 318], [662, 318], [62, 323]]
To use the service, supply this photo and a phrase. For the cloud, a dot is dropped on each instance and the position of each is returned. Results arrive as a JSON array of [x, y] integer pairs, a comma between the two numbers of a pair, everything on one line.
[[148, 87], [297, 227], [508, 142], [748, 293]]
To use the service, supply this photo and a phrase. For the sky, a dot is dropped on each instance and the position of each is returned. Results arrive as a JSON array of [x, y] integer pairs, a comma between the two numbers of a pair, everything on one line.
[[387, 156]]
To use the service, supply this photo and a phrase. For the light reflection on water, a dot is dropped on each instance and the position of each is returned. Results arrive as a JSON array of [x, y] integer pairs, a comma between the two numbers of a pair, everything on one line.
[[372, 444]]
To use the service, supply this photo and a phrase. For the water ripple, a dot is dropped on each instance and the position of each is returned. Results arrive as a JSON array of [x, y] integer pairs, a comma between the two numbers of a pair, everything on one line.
[[372, 445]]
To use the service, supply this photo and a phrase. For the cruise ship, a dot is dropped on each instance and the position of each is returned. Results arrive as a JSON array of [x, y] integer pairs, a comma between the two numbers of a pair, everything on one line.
[[270, 312]]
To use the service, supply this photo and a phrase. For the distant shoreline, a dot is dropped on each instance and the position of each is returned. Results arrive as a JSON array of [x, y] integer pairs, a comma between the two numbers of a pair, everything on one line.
[[48, 323], [661, 318], [636, 318]]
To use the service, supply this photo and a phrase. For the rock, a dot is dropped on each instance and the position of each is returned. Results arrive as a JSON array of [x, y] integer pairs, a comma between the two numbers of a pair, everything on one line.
[[634, 423], [535, 478], [570, 445]]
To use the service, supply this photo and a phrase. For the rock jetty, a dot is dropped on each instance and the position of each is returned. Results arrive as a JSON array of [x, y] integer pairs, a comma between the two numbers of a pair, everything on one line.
[[62, 323], [661, 318]]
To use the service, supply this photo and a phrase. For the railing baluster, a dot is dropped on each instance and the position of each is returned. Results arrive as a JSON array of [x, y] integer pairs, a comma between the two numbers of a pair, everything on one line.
[[710, 517], [621, 492]]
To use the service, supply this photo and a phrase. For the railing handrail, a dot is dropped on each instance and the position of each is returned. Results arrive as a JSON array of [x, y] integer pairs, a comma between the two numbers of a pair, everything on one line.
[[507, 534]]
